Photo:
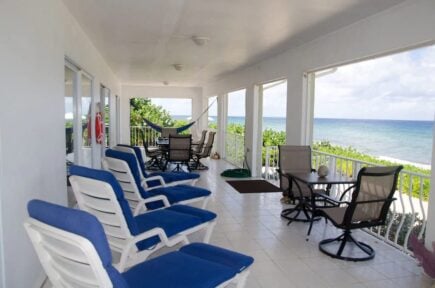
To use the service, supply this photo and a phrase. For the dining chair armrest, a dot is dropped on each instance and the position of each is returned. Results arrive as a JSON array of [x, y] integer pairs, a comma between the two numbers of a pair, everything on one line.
[[375, 201], [347, 191], [329, 199]]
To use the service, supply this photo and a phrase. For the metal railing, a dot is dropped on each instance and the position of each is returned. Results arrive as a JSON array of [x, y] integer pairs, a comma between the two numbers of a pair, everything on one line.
[[235, 148], [407, 215], [151, 135]]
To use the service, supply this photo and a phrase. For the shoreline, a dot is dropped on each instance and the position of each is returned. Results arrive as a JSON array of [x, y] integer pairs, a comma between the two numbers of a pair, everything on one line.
[[399, 161]]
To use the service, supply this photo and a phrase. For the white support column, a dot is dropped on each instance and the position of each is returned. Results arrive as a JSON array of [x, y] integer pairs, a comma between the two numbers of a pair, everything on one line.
[[430, 227], [252, 135], [222, 124]]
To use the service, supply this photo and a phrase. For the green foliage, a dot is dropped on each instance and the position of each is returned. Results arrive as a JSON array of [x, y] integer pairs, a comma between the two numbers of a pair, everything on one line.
[[143, 108], [405, 182]]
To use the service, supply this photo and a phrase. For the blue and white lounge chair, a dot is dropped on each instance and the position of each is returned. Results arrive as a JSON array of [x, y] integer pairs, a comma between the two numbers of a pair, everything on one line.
[[157, 179], [99, 193], [124, 167], [74, 252]]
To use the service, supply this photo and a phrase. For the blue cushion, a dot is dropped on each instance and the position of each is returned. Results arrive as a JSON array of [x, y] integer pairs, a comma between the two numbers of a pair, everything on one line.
[[180, 192], [172, 222], [219, 255], [108, 177], [80, 223], [178, 270], [205, 215], [140, 159], [170, 177], [131, 161]]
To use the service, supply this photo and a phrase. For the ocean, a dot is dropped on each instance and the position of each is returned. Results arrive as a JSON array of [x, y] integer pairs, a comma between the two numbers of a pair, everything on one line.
[[391, 139]]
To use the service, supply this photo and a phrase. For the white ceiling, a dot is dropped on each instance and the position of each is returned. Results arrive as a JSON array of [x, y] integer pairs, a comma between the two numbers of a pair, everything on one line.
[[141, 39]]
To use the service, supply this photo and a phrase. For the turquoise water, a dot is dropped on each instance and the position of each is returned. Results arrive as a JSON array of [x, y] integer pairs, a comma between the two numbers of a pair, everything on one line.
[[399, 139]]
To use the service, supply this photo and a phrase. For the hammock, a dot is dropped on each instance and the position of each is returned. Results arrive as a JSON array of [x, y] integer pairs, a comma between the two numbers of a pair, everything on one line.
[[159, 128], [179, 129]]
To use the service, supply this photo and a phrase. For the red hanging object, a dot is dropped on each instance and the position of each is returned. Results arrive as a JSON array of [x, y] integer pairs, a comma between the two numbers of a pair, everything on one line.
[[99, 128]]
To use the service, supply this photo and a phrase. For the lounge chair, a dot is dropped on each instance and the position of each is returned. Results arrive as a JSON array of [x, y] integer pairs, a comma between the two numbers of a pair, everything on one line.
[[157, 179], [74, 252], [125, 169], [99, 193]]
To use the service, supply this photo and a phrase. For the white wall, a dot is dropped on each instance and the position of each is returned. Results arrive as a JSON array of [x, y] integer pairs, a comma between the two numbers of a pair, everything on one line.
[[401, 27], [137, 91], [36, 36]]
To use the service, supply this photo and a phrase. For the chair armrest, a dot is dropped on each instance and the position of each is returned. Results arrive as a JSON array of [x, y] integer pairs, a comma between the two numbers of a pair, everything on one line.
[[374, 201], [153, 178], [159, 232], [347, 190], [156, 198]]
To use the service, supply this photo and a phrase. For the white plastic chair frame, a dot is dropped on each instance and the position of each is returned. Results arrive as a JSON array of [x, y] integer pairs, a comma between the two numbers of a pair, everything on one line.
[[144, 179], [70, 260], [122, 173], [98, 198]]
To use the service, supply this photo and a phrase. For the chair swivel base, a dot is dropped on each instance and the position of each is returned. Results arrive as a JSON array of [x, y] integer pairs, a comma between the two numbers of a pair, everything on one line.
[[344, 239], [296, 211]]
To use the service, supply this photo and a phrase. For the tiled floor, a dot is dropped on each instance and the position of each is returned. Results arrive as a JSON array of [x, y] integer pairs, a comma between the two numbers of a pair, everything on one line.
[[251, 224]]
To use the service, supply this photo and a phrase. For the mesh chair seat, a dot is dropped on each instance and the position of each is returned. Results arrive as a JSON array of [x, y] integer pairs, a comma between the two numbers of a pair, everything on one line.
[[369, 206]]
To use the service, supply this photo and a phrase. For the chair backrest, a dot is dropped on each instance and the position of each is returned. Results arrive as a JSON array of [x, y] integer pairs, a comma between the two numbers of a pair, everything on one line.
[[179, 147], [206, 151], [201, 141], [295, 159], [99, 193], [166, 132], [124, 168], [71, 246], [134, 150], [376, 184]]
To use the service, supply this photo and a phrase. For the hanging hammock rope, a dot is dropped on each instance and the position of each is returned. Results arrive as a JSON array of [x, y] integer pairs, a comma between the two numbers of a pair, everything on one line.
[[179, 129]]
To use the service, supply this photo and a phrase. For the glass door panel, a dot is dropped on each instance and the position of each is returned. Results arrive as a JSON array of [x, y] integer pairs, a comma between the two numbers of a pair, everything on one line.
[[86, 101], [69, 115]]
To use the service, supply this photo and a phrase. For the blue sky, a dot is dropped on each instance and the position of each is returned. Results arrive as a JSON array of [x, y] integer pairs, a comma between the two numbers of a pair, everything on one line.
[[399, 86]]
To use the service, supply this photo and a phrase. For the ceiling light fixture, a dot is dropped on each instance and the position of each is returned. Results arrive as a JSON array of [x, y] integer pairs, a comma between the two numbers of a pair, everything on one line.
[[200, 40], [178, 67]]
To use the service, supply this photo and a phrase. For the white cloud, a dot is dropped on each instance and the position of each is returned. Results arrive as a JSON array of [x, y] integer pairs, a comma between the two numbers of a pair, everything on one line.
[[400, 86], [175, 106]]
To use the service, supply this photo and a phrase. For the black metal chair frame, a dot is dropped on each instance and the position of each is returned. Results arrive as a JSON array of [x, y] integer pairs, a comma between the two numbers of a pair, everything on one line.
[[155, 156], [179, 162], [347, 224], [204, 152], [302, 204]]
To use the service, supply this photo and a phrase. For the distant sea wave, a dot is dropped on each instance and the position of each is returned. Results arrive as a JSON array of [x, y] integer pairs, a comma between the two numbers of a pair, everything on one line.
[[410, 141]]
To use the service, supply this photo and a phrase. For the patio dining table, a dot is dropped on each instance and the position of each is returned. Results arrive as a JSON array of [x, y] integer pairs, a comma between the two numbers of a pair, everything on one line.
[[311, 179]]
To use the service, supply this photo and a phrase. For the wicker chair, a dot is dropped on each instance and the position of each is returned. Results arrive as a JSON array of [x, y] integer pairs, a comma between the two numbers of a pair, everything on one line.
[[296, 159], [368, 207]]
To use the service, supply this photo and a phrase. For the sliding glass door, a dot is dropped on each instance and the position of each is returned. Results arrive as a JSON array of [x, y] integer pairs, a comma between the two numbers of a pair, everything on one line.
[[79, 146]]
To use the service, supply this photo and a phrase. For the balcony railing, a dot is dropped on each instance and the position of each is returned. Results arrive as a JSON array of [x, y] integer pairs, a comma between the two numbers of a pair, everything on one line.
[[151, 135], [234, 149], [407, 214]]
